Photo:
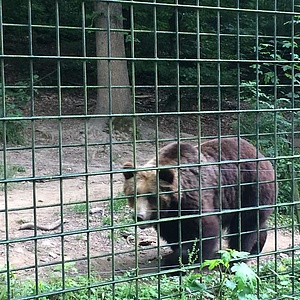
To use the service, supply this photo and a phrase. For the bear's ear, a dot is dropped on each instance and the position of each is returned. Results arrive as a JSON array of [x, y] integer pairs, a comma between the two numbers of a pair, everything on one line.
[[129, 174], [166, 175]]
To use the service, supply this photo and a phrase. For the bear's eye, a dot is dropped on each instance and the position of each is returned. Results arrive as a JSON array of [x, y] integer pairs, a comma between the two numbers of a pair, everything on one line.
[[130, 201]]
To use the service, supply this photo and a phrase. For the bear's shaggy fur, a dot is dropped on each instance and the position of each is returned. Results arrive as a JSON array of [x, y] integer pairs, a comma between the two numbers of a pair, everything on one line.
[[232, 181]]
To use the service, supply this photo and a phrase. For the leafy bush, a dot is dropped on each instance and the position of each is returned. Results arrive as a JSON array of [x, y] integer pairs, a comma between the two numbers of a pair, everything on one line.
[[271, 120]]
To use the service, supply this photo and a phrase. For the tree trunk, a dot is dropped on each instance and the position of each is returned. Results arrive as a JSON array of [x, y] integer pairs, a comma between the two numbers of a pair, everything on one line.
[[113, 95]]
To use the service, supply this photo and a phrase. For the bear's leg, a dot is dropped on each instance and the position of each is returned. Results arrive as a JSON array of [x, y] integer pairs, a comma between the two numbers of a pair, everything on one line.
[[242, 241], [188, 252], [262, 240], [210, 237], [179, 255], [234, 240]]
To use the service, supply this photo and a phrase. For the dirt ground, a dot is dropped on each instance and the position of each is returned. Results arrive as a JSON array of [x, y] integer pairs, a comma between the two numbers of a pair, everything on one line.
[[50, 199]]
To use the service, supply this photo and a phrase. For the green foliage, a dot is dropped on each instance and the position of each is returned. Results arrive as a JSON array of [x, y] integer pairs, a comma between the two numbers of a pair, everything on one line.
[[125, 289], [271, 120], [44, 12], [226, 279], [178, 37], [12, 107], [279, 278]]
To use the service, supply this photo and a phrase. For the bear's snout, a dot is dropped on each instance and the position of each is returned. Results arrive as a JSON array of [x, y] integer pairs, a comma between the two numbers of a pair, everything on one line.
[[139, 218]]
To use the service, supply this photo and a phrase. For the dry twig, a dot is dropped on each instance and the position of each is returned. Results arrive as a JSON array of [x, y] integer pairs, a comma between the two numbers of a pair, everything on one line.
[[49, 227]]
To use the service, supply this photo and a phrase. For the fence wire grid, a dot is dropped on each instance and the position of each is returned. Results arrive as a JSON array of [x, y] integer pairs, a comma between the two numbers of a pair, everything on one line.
[[88, 86]]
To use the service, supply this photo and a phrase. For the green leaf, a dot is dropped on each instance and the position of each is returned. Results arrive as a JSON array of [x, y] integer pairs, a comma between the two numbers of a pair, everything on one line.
[[244, 276], [286, 44], [240, 254], [286, 67], [226, 256], [212, 263], [197, 286], [285, 282], [230, 284]]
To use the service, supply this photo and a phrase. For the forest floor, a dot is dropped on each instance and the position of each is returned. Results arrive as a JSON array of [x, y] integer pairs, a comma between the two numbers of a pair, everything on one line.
[[86, 234]]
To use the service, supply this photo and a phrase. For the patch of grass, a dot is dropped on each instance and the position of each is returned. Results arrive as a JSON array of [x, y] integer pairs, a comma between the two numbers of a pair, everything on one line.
[[280, 278], [106, 220], [113, 235], [282, 220], [79, 237], [146, 289], [10, 171], [118, 204], [78, 208], [121, 211]]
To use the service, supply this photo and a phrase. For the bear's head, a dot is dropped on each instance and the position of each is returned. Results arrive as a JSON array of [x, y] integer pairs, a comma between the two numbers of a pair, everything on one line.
[[149, 192]]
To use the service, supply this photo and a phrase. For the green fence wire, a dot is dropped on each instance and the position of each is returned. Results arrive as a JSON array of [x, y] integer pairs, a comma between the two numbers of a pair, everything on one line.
[[87, 86]]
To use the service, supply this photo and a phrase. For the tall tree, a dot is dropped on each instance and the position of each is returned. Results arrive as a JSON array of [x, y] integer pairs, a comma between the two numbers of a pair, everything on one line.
[[113, 95]]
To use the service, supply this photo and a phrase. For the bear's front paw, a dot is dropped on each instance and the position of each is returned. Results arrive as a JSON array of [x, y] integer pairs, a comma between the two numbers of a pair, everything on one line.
[[170, 261]]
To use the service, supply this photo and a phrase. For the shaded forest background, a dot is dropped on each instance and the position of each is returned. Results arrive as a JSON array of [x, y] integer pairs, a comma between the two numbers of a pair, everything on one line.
[[211, 48]]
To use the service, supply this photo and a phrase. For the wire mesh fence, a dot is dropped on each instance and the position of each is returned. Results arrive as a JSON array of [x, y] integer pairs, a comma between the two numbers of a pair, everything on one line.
[[140, 139]]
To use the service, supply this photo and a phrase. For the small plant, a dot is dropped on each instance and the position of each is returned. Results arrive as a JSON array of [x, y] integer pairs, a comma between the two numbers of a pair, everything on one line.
[[230, 280]]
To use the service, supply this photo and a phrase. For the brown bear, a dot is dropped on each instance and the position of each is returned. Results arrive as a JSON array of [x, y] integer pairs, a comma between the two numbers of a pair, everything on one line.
[[193, 195]]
